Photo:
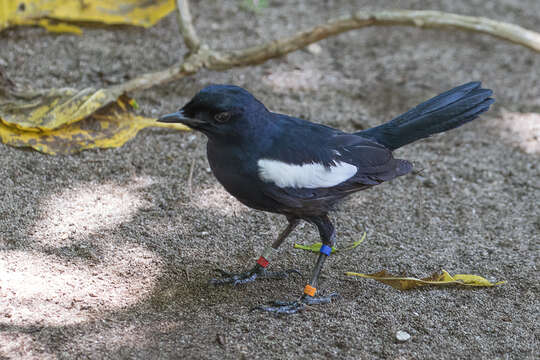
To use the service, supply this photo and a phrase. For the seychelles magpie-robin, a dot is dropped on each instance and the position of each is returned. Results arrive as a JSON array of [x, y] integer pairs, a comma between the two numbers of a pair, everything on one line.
[[281, 164]]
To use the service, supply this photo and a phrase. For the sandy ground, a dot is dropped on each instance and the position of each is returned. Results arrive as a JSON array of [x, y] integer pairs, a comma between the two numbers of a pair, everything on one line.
[[108, 253]]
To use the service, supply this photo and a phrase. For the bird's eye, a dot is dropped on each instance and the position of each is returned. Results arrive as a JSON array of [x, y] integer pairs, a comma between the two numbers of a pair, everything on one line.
[[222, 117]]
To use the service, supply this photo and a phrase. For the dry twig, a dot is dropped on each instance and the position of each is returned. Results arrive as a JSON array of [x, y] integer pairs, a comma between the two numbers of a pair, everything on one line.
[[185, 24], [202, 57]]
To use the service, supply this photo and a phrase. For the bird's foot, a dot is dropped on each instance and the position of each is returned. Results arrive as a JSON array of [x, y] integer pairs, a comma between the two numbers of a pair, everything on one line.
[[293, 307], [258, 272]]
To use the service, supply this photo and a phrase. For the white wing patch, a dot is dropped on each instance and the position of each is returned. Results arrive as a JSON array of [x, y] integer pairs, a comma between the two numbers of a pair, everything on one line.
[[307, 176]]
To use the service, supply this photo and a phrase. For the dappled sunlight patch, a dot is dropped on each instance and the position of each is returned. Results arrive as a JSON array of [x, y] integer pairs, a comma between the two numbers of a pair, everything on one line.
[[217, 199], [300, 79], [86, 209], [521, 130], [66, 275], [43, 290], [305, 79], [16, 343]]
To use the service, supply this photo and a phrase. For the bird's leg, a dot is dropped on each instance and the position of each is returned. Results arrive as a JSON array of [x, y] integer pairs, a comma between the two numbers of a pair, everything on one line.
[[328, 237], [259, 270]]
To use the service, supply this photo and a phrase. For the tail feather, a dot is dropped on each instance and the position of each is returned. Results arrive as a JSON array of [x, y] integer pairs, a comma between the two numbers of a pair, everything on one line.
[[441, 113]]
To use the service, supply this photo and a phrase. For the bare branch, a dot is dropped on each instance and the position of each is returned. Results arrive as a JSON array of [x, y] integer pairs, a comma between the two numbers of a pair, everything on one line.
[[185, 24], [191, 65], [438, 19], [149, 80], [206, 58], [431, 19]]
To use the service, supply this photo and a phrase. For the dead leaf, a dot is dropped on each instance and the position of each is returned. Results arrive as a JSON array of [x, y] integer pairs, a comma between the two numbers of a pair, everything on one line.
[[65, 121], [47, 110], [316, 247], [442, 278], [60, 15]]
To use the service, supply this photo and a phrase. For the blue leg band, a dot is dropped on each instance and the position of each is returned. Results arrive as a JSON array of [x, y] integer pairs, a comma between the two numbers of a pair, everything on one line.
[[326, 250]]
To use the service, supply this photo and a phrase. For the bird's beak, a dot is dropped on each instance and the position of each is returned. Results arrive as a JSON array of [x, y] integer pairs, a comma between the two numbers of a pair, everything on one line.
[[179, 117]]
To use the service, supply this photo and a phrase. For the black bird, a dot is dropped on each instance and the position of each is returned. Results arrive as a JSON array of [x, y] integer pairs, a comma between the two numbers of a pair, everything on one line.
[[281, 164]]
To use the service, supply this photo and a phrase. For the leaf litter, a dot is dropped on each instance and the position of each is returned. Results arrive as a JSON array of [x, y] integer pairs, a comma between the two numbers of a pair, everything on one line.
[[440, 278]]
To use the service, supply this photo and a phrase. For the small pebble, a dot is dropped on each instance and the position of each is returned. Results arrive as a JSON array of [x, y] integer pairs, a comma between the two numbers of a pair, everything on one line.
[[428, 183], [314, 49], [402, 336]]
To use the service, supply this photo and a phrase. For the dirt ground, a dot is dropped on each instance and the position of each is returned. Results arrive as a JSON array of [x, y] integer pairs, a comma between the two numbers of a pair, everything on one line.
[[108, 253]]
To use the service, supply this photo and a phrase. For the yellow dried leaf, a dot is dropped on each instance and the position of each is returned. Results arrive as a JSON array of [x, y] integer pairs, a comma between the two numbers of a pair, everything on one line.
[[475, 280], [59, 27], [442, 278], [40, 12], [62, 125], [316, 247], [47, 110]]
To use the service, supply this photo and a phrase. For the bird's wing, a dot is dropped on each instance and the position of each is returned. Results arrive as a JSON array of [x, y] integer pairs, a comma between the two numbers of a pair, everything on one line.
[[373, 161], [340, 165]]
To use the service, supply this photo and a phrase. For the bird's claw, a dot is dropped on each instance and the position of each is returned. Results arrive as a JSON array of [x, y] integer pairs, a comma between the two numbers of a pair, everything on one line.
[[316, 300], [293, 307], [283, 307], [234, 279], [250, 276]]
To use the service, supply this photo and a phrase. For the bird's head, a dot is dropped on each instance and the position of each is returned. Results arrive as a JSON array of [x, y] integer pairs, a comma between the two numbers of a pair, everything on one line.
[[220, 111]]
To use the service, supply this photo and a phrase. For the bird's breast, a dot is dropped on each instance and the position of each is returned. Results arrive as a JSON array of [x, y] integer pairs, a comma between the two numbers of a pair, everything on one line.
[[237, 171]]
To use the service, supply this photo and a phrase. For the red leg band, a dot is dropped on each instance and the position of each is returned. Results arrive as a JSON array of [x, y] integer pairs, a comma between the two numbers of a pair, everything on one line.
[[263, 262]]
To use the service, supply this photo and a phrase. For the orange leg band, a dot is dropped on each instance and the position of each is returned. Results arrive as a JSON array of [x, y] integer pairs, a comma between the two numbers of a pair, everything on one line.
[[310, 290]]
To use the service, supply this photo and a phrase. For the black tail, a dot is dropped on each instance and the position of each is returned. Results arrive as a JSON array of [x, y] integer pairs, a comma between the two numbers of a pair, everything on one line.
[[441, 113]]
